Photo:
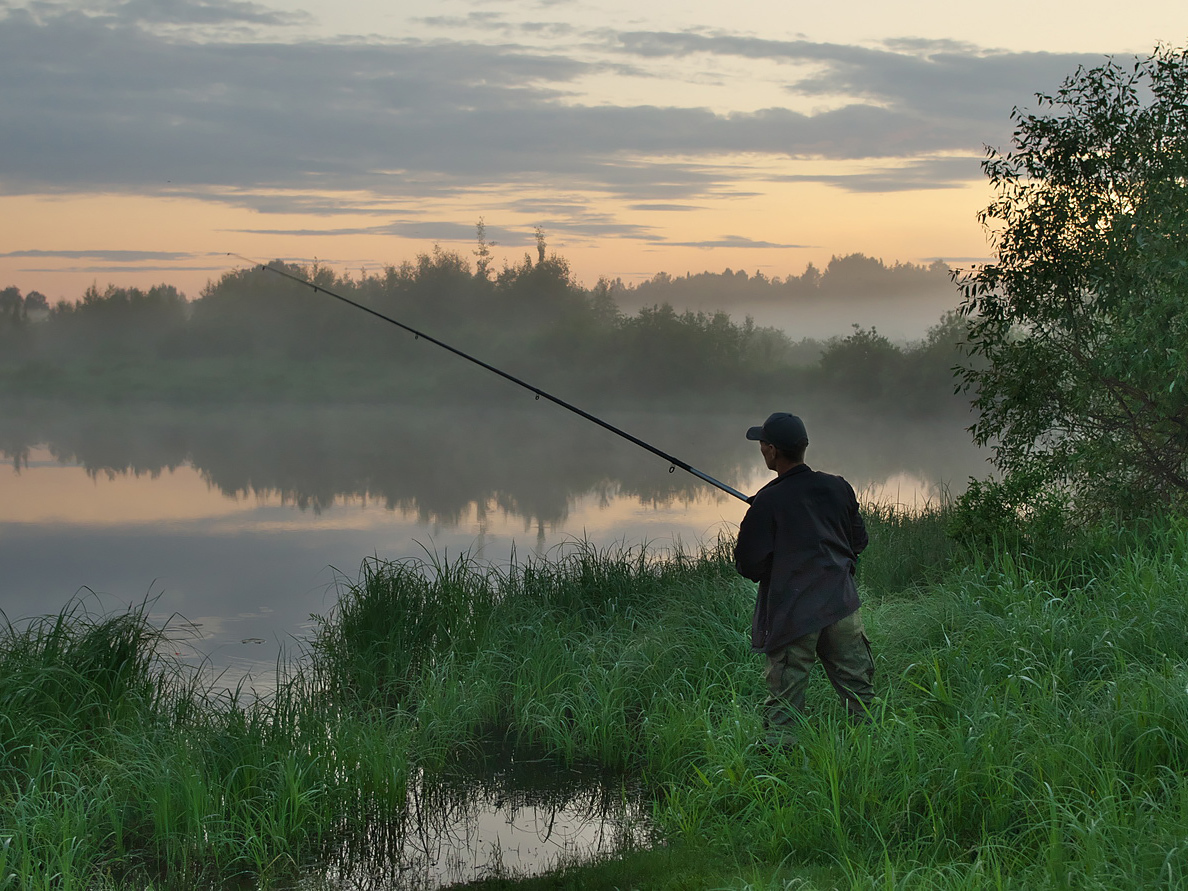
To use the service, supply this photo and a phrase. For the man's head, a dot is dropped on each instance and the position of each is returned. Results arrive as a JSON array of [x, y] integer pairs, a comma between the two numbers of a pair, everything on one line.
[[782, 440]]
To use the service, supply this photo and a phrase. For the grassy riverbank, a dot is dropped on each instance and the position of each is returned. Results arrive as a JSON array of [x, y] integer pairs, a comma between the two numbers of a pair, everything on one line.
[[1033, 731]]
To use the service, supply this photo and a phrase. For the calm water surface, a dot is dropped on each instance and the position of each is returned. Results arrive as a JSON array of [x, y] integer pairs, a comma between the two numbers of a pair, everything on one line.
[[503, 813], [239, 524]]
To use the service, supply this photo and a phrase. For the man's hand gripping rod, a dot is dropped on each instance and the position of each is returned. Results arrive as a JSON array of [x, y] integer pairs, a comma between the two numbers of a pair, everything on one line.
[[675, 462]]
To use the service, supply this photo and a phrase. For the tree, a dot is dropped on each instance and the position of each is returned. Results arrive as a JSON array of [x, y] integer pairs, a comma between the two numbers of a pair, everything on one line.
[[12, 307], [36, 306], [117, 322], [864, 365], [482, 266], [1078, 339]]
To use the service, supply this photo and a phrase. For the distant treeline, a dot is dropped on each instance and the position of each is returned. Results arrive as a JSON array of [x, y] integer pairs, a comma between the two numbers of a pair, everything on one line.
[[255, 335], [854, 275]]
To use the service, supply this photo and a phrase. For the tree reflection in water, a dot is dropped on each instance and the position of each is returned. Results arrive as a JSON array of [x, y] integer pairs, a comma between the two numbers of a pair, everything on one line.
[[439, 463]]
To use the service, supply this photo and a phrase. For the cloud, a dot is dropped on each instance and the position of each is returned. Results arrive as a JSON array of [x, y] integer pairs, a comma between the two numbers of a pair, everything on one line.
[[441, 230], [274, 202], [933, 78], [732, 241], [930, 173], [103, 102], [116, 268], [315, 233], [168, 12], [470, 20], [595, 227], [552, 29], [576, 224], [87, 106], [664, 207], [202, 12], [121, 256]]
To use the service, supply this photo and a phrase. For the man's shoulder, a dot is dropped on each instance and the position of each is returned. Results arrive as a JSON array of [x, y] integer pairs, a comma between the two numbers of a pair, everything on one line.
[[836, 484], [795, 481], [803, 474], [832, 478]]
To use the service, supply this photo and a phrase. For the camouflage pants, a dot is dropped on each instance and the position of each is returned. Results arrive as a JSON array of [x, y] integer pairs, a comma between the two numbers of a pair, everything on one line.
[[844, 651]]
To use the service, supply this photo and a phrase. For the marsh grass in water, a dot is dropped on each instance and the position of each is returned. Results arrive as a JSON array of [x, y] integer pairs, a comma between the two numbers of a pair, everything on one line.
[[1032, 729], [504, 810]]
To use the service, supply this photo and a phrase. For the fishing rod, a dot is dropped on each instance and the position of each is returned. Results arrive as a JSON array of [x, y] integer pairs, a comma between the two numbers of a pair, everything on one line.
[[674, 462]]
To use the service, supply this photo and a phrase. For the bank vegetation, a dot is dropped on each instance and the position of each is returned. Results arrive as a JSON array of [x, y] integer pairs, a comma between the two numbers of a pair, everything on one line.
[[1031, 730]]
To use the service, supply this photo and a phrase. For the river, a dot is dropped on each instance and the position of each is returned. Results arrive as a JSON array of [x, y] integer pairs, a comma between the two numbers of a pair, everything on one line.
[[240, 523]]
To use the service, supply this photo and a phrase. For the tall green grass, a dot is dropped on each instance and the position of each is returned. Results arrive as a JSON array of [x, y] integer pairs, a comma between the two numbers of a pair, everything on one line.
[[1034, 734], [909, 550], [117, 767], [1032, 728]]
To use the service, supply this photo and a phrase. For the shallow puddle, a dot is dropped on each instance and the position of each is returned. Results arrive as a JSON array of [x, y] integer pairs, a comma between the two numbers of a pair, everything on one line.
[[501, 813]]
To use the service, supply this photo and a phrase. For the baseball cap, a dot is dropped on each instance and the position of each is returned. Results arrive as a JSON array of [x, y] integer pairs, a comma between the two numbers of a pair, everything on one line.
[[782, 430]]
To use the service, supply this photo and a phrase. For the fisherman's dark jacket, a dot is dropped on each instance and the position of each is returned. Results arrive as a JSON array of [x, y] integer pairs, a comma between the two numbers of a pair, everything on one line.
[[800, 540]]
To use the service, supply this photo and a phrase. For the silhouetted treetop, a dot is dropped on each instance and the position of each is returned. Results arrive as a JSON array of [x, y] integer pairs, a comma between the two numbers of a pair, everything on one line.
[[850, 276]]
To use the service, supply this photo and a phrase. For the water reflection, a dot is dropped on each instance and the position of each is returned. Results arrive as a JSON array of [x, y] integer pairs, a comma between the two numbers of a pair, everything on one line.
[[498, 812], [243, 521], [438, 464]]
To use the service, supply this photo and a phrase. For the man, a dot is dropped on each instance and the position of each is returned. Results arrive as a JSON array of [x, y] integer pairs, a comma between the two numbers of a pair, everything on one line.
[[800, 540]]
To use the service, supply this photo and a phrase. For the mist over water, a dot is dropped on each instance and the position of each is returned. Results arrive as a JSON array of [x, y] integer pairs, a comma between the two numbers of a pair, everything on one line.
[[526, 459], [902, 300]]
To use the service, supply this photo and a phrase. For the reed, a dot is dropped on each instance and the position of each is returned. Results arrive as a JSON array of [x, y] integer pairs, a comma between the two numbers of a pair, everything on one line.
[[909, 549], [118, 767]]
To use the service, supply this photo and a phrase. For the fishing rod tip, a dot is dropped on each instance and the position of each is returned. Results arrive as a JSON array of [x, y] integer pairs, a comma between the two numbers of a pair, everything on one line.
[[253, 263]]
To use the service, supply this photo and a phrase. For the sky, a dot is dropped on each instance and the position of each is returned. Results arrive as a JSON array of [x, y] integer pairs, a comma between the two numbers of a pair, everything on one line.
[[146, 141]]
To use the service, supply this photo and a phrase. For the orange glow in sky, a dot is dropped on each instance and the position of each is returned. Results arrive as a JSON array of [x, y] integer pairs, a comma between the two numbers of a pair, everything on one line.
[[143, 144]]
